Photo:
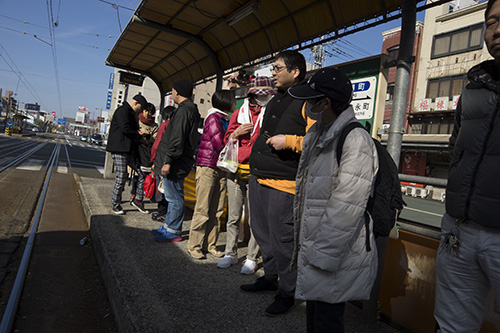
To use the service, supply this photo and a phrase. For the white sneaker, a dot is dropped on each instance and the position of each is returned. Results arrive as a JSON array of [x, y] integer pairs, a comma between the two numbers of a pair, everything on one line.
[[249, 267], [227, 261]]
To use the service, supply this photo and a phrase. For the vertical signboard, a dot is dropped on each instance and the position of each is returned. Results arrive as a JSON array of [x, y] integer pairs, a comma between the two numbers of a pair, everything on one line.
[[363, 97], [365, 76], [110, 90]]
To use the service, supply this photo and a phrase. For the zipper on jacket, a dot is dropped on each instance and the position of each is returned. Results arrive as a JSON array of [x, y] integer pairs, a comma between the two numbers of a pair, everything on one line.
[[483, 152]]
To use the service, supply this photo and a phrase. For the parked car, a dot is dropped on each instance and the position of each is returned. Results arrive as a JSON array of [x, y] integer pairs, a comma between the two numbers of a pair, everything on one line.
[[96, 139], [83, 137]]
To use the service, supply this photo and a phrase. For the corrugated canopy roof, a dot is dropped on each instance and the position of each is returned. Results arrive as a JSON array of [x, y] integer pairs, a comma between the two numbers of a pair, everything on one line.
[[167, 40]]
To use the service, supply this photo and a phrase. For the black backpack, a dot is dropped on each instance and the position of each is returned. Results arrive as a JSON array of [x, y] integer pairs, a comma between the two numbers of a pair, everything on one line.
[[387, 201]]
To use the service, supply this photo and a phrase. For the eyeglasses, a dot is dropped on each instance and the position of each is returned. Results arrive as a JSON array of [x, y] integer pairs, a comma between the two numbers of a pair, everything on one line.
[[278, 69]]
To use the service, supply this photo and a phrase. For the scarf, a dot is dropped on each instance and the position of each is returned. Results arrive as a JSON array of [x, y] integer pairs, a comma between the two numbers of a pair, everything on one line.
[[146, 121]]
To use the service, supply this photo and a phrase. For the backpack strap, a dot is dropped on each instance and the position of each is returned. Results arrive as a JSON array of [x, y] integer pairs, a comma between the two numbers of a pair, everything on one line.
[[343, 135], [340, 146]]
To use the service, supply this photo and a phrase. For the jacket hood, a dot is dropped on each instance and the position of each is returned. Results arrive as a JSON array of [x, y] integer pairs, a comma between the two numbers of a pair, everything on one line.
[[215, 110], [485, 75]]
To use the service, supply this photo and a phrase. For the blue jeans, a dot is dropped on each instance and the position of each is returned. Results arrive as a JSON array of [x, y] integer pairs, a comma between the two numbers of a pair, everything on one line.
[[174, 195]]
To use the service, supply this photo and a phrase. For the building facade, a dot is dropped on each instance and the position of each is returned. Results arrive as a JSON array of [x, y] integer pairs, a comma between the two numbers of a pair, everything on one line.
[[390, 46], [453, 43]]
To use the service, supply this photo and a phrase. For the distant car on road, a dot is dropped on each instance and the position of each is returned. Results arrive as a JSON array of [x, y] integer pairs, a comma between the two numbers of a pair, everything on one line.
[[96, 139], [35, 129], [83, 137]]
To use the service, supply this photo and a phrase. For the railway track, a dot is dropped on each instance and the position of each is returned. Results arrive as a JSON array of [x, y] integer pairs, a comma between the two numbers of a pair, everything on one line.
[[49, 275]]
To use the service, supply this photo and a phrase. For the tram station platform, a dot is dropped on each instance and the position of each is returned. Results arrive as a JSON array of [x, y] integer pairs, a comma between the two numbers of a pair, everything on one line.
[[158, 287]]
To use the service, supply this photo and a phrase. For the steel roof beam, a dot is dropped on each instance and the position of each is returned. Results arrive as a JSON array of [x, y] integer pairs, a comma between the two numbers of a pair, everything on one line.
[[188, 36]]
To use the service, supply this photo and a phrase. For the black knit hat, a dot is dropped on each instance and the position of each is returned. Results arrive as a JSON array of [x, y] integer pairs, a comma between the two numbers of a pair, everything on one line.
[[329, 82], [488, 8], [141, 100], [184, 88]]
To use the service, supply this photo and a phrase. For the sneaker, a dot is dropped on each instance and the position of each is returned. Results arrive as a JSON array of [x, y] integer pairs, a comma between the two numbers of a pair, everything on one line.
[[249, 267], [118, 210], [139, 206], [159, 218], [159, 231], [261, 285], [216, 253], [227, 261], [156, 216], [168, 237], [196, 254], [281, 305]]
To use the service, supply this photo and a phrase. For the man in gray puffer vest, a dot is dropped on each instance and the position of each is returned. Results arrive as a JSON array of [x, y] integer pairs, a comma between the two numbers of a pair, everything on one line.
[[468, 261]]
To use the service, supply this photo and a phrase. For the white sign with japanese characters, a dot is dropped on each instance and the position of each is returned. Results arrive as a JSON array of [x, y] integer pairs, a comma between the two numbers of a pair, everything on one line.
[[441, 103], [455, 102], [363, 97], [424, 104]]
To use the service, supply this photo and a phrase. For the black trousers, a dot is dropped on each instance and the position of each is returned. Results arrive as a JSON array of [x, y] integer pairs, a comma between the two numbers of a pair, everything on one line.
[[272, 225], [325, 317]]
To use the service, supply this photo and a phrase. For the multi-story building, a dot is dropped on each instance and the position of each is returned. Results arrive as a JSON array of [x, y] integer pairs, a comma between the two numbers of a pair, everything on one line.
[[390, 46], [451, 42]]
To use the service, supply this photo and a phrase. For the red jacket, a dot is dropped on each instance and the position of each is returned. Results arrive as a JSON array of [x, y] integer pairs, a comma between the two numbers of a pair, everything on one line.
[[161, 130]]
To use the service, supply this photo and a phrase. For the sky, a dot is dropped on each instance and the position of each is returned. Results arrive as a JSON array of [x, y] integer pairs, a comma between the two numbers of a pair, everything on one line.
[[30, 64]]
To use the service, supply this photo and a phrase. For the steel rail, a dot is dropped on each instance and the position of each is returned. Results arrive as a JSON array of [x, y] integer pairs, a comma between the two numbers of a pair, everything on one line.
[[23, 156], [15, 295], [14, 146], [69, 162]]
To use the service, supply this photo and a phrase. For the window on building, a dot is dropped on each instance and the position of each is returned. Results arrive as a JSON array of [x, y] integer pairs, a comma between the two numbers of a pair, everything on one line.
[[432, 125], [458, 41], [202, 101], [393, 52], [446, 86], [390, 92]]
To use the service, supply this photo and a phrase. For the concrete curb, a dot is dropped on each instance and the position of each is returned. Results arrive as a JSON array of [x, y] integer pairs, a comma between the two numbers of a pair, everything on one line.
[[122, 316]]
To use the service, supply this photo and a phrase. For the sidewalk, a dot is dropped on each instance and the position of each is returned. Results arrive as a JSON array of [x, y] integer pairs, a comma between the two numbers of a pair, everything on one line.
[[158, 287]]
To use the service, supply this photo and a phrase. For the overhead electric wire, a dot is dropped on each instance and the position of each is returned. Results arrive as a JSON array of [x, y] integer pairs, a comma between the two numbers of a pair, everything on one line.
[[74, 32], [49, 77], [54, 53], [42, 40], [356, 48], [58, 11], [18, 72], [116, 6]]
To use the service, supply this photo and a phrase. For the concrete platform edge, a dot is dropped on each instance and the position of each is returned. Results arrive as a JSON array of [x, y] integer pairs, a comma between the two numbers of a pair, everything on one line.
[[123, 317]]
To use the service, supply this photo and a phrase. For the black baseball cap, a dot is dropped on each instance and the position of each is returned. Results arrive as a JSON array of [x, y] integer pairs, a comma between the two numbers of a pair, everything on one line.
[[326, 82]]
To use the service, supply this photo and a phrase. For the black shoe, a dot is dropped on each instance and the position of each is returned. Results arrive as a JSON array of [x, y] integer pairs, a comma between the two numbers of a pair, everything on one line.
[[139, 206], [281, 305], [158, 217], [118, 210], [261, 285]]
